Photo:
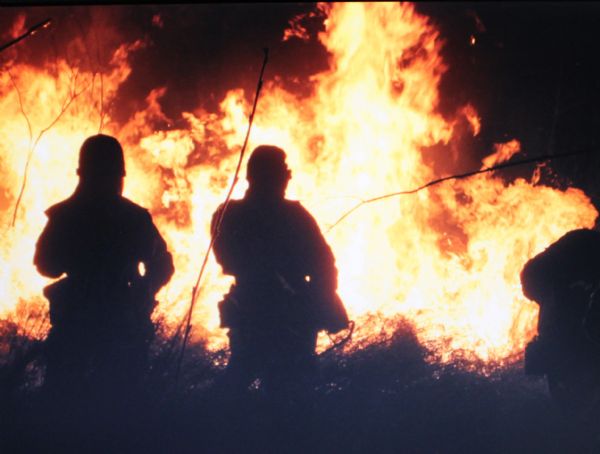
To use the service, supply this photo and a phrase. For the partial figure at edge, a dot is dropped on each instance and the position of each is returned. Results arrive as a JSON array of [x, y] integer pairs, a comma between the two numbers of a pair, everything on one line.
[[564, 280]]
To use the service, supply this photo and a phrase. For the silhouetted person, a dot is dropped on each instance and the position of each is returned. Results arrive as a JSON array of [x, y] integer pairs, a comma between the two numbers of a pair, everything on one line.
[[561, 280], [564, 281], [114, 261], [285, 281]]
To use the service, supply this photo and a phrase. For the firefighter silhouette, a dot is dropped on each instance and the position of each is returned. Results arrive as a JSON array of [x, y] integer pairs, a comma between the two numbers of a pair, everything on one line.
[[112, 261], [564, 280], [285, 281]]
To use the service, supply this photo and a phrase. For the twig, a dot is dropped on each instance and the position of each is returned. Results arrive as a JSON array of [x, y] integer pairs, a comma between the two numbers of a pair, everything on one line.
[[101, 103], [68, 101], [95, 69], [457, 177], [22, 108], [29, 32]]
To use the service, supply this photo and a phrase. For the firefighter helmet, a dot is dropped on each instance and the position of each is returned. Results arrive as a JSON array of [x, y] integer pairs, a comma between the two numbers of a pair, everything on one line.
[[101, 156], [267, 163]]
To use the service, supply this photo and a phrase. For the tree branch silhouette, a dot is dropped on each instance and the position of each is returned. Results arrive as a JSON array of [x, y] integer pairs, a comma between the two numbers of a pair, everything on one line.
[[505, 165], [73, 94]]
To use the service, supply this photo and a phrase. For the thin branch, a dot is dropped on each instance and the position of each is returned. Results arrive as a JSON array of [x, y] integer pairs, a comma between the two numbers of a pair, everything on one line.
[[65, 106], [29, 146], [21, 107], [195, 290], [457, 177], [94, 66], [71, 97], [98, 61], [102, 113]]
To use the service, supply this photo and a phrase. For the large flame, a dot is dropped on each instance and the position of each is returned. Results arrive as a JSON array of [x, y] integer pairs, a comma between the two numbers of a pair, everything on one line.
[[448, 258]]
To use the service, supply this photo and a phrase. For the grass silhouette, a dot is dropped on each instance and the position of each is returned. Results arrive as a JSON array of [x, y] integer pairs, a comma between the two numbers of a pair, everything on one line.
[[381, 397]]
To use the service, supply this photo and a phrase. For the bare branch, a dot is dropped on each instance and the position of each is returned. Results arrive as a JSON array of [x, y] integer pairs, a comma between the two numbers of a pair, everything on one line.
[[21, 107], [72, 96], [458, 177], [98, 61], [95, 67]]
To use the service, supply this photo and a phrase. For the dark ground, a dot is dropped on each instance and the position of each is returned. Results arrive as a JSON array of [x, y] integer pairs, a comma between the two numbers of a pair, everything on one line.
[[532, 75], [381, 398]]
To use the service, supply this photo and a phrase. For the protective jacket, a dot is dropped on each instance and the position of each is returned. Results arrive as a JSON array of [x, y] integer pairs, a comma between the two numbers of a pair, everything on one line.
[[285, 271], [114, 259]]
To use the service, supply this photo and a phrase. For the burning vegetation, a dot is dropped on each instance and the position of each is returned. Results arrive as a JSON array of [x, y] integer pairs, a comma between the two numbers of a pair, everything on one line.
[[430, 279], [447, 258]]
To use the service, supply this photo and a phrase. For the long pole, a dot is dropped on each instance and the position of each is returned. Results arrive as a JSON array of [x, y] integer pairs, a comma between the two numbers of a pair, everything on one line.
[[215, 233]]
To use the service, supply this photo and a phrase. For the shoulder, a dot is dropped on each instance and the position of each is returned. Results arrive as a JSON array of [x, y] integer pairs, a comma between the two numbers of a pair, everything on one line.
[[301, 218], [233, 207], [133, 209], [234, 204], [580, 238], [296, 209], [576, 243], [232, 213], [577, 247], [131, 214], [294, 206], [61, 209]]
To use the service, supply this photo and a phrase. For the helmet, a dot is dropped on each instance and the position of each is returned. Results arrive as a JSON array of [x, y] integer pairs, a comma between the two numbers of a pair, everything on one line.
[[267, 164], [101, 156]]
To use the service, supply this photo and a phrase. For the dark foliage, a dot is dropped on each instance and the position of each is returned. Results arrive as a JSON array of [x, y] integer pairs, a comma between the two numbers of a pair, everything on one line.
[[382, 397]]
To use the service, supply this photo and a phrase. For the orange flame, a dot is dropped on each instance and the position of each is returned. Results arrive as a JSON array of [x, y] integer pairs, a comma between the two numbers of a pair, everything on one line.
[[447, 258], [474, 121], [503, 152]]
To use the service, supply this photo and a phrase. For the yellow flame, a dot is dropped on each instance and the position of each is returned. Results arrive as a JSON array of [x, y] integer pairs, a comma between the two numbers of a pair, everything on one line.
[[503, 152], [474, 121], [448, 258]]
